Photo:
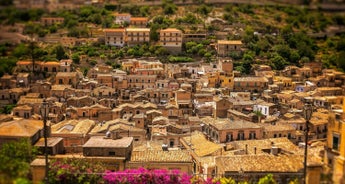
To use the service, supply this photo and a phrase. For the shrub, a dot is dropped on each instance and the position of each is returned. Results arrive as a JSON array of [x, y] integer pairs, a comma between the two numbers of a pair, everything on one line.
[[141, 175]]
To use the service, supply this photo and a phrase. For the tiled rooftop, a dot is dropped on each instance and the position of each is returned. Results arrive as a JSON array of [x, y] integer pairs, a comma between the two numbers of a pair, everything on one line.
[[224, 123], [282, 143], [101, 142], [20, 128], [263, 163], [73, 126], [161, 156], [201, 146]]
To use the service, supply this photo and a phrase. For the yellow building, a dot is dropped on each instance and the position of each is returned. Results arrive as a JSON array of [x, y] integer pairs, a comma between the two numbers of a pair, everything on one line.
[[171, 39], [220, 79], [335, 147], [115, 37], [137, 36], [224, 47]]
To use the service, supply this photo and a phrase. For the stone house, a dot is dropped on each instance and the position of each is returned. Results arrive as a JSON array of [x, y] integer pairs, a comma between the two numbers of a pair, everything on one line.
[[67, 78], [81, 101], [138, 22], [33, 100], [122, 18], [252, 84], [225, 47], [161, 159], [171, 39], [276, 130], [141, 81], [23, 79], [104, 92], [137, 36], [226, 130], [23, 111], [221, 107], [115, 37], [44, 88], [73, 132], [102, 146], [14, 130], [65, 65]]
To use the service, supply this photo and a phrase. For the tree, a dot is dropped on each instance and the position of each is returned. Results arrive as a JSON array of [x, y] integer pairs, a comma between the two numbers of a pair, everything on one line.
[[341, 60], [20, 51], [294, 56], [7, 64], [268, 179], [16, 157], [60, 52], [76, 58], [278, 62], [259, 115], [204, 10], [169, 9]]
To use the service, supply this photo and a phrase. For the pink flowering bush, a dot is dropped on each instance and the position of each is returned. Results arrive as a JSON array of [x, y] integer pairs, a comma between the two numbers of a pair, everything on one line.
[[141, 175], [75, 171]]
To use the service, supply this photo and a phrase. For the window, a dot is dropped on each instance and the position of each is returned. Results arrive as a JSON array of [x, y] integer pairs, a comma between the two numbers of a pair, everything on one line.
[[240, 135], [252, 135], [229, 137], [336, 142], [171, 142], [111, 153]]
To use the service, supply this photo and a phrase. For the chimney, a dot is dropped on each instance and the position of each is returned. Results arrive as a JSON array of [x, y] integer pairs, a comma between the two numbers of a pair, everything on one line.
[[164, 147], [274, 150]]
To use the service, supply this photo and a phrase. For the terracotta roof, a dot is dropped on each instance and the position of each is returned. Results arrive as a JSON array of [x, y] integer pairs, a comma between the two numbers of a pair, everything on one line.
[[66, 74], [153, 111], [170, 30], [263, 163], [23, 100], [138, 29], [51, 141], [22, 75], [224, 123], [101, 142], [161, 156], [114, 30], [251, 79], [73, 126], [261, 144], [201, 146], [123, 14], [103, 127], [139, 19], [125, 127], [160, 118], [23, 107], [60, 87], [230, 42], [52, 63], [278, 127], [20, 128]]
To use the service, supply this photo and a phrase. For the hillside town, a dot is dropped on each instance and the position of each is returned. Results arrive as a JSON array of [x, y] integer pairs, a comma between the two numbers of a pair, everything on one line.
[[207, 116]]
